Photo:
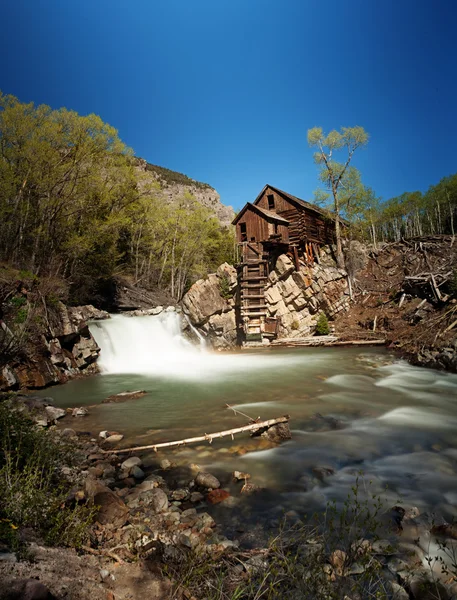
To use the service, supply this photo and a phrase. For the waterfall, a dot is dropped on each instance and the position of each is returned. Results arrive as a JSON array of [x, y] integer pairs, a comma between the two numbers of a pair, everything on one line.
[[155, 346]]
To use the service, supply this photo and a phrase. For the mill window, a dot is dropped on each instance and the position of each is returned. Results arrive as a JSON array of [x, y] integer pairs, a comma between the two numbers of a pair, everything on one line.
[[244, 237], [271, 202]]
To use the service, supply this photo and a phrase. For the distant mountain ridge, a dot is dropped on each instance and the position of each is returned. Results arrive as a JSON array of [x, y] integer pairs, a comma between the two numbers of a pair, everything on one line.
[[173, 185]]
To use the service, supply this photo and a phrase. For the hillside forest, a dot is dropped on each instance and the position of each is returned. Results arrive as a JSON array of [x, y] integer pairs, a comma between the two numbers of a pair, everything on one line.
[[75, 207]]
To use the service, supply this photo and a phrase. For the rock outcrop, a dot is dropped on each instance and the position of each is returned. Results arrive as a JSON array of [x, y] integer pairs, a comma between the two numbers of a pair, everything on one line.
[[210, 306], [64, 351], [296, 298], [173, 185]]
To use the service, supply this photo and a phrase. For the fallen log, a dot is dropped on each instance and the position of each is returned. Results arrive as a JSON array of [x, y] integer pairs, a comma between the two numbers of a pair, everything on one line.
[[255, 428]]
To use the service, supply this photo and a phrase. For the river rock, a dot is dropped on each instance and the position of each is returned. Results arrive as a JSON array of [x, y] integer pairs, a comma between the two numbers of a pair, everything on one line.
[[180, 494], [124, 397], [129, 463], [240, 476], [113, 511], [217, 496], [206, 480], [277, 433], [165, 464], [55, 413], [114, 439], [68, 432], [137, 472], [155, 499], [80, 412], [196, 497]]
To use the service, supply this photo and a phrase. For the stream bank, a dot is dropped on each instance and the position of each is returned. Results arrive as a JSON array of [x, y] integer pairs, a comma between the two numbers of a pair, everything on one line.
[[157, 534]]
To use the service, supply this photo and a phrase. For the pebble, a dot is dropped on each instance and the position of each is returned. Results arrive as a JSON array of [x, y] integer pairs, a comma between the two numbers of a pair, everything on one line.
[[165, 464], [181, 494]]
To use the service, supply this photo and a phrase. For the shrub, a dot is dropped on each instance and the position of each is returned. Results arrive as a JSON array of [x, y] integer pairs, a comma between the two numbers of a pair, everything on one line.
[[295, 325], [33, 491], [322, 327], [224, 287]]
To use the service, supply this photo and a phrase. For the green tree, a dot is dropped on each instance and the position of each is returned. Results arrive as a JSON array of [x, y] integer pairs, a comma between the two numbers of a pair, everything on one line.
[[337, 177]]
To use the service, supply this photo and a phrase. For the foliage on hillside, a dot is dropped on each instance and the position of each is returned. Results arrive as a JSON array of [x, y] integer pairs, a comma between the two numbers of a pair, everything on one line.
[[71, 207], [170, 177], [408, 215]]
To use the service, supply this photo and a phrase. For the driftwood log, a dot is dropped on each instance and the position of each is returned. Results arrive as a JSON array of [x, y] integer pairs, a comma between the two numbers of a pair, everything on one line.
[[254, 428]]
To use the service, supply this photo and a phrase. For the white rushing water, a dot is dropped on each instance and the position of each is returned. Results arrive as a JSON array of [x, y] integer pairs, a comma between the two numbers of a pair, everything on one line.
[[155, 345]]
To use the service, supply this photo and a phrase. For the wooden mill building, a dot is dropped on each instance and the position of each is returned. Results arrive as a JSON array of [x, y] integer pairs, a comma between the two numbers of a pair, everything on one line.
[[275, 223]]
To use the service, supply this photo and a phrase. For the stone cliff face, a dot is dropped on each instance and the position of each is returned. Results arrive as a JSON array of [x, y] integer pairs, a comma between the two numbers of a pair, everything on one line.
[[66, 351], [210, 306], [298, 297], [174, 185], [295, 297]]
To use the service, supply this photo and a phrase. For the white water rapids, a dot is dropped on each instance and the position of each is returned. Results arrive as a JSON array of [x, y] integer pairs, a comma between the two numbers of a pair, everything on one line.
[[155, 346]]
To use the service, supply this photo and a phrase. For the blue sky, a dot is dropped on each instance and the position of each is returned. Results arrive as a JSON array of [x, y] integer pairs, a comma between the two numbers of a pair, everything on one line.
[[225, 90]]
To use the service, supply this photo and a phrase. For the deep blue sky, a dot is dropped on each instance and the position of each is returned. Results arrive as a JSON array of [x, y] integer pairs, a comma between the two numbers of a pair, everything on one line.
[[225, 90]]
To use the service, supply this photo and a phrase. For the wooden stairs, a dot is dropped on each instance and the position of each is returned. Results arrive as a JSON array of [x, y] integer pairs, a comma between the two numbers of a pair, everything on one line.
[[253, 277]]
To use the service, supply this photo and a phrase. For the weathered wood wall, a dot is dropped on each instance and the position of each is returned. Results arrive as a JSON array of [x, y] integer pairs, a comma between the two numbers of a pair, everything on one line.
[[259, 228], [306, 225]]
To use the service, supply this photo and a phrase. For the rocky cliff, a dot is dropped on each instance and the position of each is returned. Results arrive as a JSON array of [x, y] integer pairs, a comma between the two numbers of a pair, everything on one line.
[[296, 297], [173, 185], [63, 351]]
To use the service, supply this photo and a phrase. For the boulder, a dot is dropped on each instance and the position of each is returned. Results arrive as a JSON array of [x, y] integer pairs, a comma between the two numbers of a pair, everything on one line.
[[113, 511], [54, 413], [284, 266], [204, 299], [221, 330]]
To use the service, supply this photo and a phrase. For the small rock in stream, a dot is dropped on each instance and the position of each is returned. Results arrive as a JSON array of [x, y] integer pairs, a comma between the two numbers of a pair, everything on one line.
[[206, 480], [80, 412], [55, 413], [217, 496], [114, 439], [129, 463]]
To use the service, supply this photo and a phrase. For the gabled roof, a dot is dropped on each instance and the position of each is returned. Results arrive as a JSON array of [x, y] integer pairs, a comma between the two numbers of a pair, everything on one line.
[[297, 201], [262, 211]]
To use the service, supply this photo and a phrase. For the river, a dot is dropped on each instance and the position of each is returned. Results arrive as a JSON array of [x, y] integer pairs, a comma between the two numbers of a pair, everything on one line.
[[395, 423]]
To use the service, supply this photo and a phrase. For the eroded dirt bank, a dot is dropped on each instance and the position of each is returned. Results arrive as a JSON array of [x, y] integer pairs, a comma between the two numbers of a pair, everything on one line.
[[406, 292]]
